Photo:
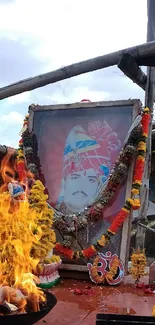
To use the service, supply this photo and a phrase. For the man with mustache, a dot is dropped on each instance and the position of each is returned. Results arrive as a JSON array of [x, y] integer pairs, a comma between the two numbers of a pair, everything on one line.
[[87, 164]]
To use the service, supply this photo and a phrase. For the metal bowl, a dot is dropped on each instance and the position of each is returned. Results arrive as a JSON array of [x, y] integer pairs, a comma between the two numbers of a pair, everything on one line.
[[30, 318]]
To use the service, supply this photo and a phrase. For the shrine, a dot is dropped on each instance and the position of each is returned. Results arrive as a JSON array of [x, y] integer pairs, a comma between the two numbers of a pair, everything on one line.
[[75, 198]]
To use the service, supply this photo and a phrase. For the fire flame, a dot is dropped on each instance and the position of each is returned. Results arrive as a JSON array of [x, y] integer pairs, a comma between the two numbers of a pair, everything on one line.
[[8, 169], [19, 232]]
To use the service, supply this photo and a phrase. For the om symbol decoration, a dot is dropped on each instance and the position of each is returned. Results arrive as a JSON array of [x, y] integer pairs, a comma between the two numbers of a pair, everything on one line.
[[106, 268]]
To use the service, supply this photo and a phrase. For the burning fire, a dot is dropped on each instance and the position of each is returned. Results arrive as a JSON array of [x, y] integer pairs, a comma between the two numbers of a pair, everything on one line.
[[20, 233]]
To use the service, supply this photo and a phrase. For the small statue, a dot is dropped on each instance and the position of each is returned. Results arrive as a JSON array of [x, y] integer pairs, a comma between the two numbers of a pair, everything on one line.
[[17, 191]]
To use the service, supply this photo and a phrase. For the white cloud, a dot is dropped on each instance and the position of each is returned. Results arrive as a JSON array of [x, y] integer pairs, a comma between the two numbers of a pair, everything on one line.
[[76, 95], [19, 99], [11, 118], [44, 35], [10, 126], [60, 32], [69, 31]]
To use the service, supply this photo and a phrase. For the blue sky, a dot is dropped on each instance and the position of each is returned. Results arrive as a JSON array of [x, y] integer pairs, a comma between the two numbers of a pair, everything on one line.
[[38, 36]]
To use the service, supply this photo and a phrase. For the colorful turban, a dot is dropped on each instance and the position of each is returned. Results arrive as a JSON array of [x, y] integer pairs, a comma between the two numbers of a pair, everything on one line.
[[91, 149]]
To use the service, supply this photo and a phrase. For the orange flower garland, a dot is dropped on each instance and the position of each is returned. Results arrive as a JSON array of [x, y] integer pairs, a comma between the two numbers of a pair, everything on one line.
[[138, 259], [21, 167], [108, 275], [140, 162], [113, 270], [99, 277], [131, 203], [21, 170], [153, 311], [94, 270], [121, 216]]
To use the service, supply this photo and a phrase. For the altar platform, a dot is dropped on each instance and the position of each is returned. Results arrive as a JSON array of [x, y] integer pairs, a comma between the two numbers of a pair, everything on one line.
[[80, 301]]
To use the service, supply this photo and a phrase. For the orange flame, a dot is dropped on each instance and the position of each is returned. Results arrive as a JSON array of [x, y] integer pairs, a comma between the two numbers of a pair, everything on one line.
[[19, 231], [8, 168]]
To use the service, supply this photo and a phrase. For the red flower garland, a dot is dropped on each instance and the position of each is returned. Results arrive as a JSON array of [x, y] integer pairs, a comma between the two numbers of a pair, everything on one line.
[[140, 162], [21, 167], [118, 221], [129, 204], [139, 169], [64, 250], [145, 121], [21, 171], [89, 252]]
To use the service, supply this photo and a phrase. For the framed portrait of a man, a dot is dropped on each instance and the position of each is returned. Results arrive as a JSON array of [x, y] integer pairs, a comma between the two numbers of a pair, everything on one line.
[[77, 145]]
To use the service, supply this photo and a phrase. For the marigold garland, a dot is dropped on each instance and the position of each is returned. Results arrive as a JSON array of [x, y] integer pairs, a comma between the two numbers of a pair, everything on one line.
[[113, 269], [21, 167], [21, 170], [153, 311], [109, 275], [92, 213], [140, 161], [96, 277], [131, 203], [38, 202], [118, 175], [138, 259]]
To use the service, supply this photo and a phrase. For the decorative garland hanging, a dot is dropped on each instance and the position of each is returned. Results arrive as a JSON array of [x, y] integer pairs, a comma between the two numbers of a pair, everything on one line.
[[37, 201], [138, 259], [133, 202], [70, 224], [115, 180]]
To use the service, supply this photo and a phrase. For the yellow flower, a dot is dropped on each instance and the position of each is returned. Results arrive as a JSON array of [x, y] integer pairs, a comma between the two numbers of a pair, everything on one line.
[[40, 267], [130, 201], [102, 241], [20, 152], [77, 255], [136, 203], [20, 156], [45, 219], [137, 182], [146, 110], [153, 311], [52, 259], [138, 259], [141, 158], [126, 209], [113, 270], [134, 191], [142, 146]]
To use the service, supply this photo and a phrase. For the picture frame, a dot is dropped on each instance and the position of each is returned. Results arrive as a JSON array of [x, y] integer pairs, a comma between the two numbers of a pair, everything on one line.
[[47, 121]]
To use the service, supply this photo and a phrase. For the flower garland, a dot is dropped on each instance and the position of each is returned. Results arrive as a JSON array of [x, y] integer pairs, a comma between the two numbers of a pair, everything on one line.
[[131, 203], [37, 200], [71, 224], [21, 168], [96, 277], [140, 161], [138, 259], [119, 173], [115, 180], [38, 203], [113, 269], [108, 276], [153, 311], [25, 150]]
